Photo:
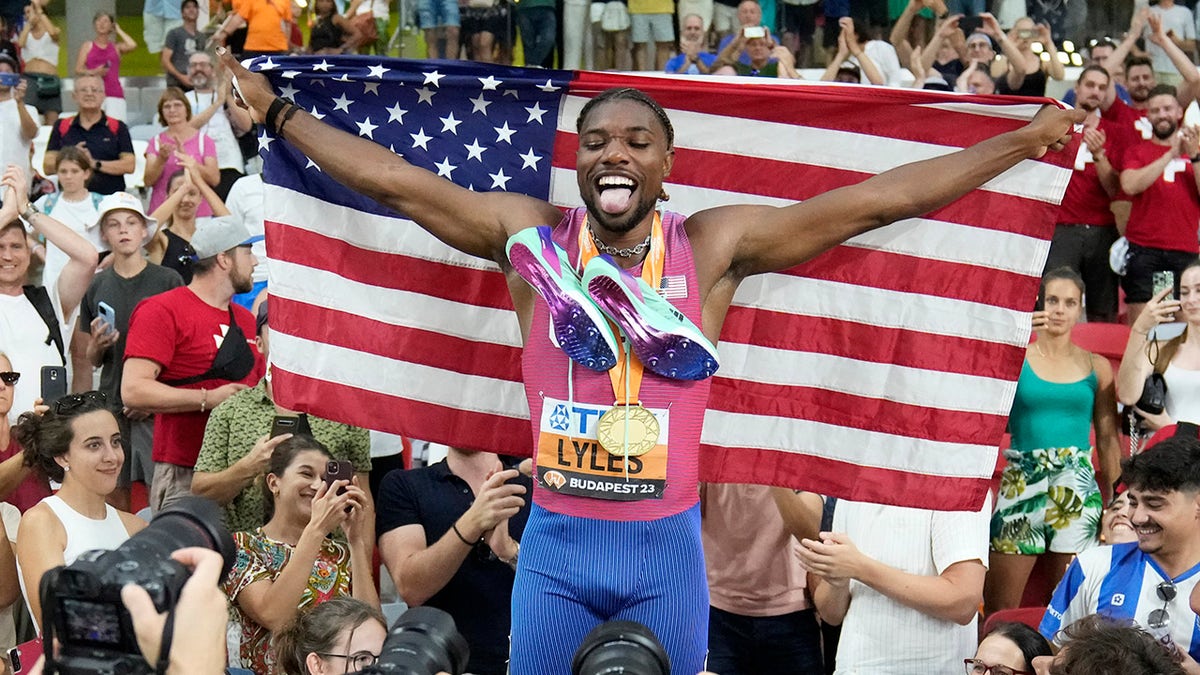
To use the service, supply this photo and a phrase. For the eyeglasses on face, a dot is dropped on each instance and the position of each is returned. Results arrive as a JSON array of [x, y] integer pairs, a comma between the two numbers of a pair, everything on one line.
[[977, 667], [354, 662], [9, 377], [73, 401]]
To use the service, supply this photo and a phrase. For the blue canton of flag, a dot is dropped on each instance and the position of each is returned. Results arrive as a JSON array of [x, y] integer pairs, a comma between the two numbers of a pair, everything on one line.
[[486, 129]]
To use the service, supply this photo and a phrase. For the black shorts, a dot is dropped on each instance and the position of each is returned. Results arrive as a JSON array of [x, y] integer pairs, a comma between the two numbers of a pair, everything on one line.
[[1084, 248], [1138, 282], [492, 20], [800, 19]]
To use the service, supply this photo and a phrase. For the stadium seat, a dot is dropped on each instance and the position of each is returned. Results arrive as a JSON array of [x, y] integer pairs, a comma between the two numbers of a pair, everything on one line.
[[1106, 339], [1030, 616]]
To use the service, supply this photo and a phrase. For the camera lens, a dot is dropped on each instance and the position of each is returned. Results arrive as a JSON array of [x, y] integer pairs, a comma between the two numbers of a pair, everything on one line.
[[191, 521], [423, 641], [621, 647]]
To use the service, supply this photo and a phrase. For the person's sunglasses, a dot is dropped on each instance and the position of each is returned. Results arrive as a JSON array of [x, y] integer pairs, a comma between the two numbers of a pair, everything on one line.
[[9, 377], [1159, 618], [74, 401]]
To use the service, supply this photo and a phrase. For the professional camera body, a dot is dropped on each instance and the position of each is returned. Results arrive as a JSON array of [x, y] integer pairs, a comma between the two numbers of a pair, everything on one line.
[[81, 603], [423, 641]]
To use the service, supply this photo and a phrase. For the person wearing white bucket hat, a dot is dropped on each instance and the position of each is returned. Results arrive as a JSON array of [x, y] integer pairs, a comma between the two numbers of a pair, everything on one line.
[[104, 318]]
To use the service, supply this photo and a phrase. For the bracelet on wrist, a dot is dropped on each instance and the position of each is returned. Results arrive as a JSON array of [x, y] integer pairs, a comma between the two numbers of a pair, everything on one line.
[[287, 116], [203, 399], [29, 212], [273, 111], [454, 526]]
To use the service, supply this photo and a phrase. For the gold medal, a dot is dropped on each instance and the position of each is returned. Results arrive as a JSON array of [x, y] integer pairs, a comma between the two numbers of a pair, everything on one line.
[[628, 430]]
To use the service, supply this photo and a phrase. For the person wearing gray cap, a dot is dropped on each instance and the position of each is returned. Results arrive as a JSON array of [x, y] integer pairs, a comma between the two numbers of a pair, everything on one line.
[[189, 349], [18, 120], [104, 322]]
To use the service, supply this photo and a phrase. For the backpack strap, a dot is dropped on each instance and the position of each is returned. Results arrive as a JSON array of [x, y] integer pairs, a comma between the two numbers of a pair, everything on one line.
[[113, 125], [39, 297], [64, 123]]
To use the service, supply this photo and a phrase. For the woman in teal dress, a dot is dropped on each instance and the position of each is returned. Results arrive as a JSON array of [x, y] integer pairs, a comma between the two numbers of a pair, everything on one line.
[[1049, 500]]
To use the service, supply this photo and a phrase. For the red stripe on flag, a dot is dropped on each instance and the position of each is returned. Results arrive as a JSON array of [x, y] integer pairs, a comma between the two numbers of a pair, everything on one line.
[[837, 108], [398, 415], [910, 274], [835, 408], [848, 481], [870, 343], [799, 182], [394, 271], [341, 329]]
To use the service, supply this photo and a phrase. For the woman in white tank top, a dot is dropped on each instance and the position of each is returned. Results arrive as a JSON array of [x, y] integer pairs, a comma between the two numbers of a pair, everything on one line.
[[1178, 359], [75, 442], [38, 40]]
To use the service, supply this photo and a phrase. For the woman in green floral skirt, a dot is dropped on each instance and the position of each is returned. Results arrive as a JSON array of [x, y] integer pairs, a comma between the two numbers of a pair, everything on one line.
[[1049, 501]]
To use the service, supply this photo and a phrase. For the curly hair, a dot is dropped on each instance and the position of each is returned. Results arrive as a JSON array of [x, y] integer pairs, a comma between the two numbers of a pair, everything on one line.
[[45, 437], [628, 94], [1098, 645]]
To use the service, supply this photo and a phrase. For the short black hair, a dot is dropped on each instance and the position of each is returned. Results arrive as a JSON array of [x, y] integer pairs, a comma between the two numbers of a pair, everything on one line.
[[1138, 61], [1170, 466], [1162, 90], [1095, 69], [628, 94], [1029, 641]]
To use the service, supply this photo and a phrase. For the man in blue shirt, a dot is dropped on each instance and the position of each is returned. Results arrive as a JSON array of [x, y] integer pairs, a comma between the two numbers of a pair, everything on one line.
[[692, 57], [1147, 582]]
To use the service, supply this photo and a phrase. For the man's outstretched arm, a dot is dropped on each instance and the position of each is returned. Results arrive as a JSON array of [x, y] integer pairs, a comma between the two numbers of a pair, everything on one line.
[[760, 239], [476, 223]]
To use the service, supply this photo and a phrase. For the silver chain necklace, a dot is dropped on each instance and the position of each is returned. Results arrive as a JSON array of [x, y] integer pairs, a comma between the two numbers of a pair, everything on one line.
[[619, 252]]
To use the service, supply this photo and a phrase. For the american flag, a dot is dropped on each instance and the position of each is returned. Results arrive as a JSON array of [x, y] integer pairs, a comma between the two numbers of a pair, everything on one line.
[[881, 371]]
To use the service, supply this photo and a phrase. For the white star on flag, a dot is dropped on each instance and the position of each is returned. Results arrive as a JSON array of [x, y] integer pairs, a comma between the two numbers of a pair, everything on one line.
[[529, 160], [365, 128], [264, 142], [323, 66], [425, 95], [535, 112], [480, 104], [268, 65], [290, 74], [444, 167], [489, 83], [342, 103], [344, 77], [499, 180], [504, 134], [449, 123], [313, 165], [396, 113], [371, 88], [475, 150], [377, 71], [316, 113], [420, 139], [548, 87], [433, 78], [288, 92]]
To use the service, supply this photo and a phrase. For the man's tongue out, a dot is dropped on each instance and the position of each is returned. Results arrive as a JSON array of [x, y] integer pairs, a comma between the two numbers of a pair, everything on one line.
[[615, 199]]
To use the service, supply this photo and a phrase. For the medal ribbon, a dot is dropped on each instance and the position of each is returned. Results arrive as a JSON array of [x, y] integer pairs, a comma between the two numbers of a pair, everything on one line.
[[626, 376]]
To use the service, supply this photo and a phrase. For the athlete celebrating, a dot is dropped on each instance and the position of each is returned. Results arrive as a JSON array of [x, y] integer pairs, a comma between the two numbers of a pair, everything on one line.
[[614, 532]]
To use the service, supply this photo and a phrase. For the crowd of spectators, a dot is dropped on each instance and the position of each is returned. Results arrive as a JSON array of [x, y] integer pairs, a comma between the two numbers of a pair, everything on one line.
[[162, 319]]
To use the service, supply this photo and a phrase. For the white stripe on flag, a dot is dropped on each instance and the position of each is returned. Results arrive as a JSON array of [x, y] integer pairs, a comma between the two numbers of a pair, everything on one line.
[[856, 446], [395, 377]]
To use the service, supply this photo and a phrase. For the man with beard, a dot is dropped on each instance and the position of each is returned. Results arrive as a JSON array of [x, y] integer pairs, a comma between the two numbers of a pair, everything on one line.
[[1160, 176], [593, 550], [189, 349], [1085, 228], [1147, 582], [218, 117], [125, 228]]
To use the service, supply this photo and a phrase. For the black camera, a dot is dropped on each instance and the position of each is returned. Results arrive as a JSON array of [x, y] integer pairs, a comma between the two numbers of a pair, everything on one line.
[[81, 603], [621, 647], [423, 641]]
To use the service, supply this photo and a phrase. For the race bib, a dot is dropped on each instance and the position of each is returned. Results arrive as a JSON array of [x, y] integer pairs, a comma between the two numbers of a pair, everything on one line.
[[571, 461]]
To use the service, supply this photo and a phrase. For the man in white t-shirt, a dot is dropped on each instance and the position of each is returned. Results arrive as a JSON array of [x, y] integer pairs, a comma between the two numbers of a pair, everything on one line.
[[25, 336], [1178, 25], [905, 585], [18, 121]]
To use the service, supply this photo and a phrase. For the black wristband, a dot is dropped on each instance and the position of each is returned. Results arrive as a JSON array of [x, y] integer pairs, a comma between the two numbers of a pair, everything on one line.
[[274, 110], [454, 526], [286, 117], [1195, 158]]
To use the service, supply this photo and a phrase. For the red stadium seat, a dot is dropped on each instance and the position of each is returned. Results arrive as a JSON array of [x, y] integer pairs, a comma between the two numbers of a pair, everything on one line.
[[1030, 616], [1106, 339]]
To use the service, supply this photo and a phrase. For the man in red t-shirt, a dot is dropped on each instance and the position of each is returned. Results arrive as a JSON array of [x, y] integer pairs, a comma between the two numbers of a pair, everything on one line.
[[1086, 228], [1160, 176], [191, 348]]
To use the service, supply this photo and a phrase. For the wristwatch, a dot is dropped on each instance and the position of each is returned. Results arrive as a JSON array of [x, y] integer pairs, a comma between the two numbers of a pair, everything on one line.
[[96, 165], [29, 212], [1195, 158]]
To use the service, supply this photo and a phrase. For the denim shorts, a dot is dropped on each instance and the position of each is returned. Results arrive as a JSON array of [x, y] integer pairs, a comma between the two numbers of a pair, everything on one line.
[[437, 13]]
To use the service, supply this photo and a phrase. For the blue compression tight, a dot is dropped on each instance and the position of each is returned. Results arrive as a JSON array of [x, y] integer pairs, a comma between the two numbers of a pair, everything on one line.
[[576, 573]]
